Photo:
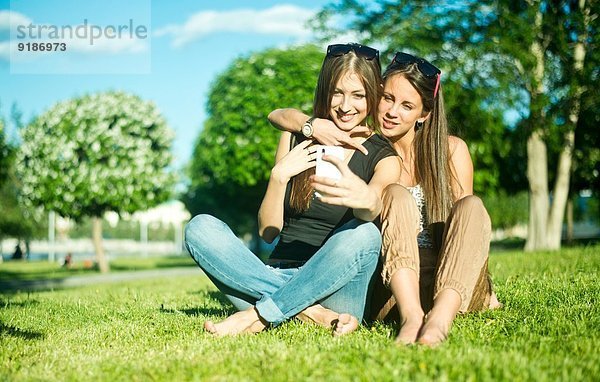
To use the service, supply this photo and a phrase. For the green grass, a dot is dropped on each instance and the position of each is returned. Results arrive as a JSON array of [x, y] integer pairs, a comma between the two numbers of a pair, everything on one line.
[[548, 330], [21, 270]]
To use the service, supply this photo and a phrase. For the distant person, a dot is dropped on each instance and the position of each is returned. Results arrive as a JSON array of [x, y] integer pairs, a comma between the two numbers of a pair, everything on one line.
[[68, 261], [321, 267], [18, 254]]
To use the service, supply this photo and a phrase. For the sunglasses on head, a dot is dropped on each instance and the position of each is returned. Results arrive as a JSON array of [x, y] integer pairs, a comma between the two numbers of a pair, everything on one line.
[[425, 67], [363, 51]]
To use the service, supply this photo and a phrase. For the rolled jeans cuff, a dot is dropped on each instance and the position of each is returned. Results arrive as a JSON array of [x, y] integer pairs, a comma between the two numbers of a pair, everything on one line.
[[269, 311]]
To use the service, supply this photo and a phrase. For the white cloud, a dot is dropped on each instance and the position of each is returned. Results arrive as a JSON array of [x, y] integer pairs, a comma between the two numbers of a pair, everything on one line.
[[287, 20], [9, 18]]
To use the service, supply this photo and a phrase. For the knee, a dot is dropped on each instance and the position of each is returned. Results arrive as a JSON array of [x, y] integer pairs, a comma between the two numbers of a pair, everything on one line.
[[364, 237], [398, 203], [473, 206], [201, 226], [395, 194], [369, 234]]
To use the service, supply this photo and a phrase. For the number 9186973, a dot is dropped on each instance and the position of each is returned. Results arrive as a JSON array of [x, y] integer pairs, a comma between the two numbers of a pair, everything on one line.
[[41, 47]]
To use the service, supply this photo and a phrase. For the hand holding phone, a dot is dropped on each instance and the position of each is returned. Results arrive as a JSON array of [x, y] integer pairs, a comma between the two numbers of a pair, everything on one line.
[[328, 169]]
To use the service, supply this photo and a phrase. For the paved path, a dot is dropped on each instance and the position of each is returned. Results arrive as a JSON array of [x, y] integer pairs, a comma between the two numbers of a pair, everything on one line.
[[75, 281]]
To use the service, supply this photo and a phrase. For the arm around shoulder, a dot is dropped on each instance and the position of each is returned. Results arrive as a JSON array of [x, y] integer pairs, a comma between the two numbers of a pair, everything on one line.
[[288, 119]]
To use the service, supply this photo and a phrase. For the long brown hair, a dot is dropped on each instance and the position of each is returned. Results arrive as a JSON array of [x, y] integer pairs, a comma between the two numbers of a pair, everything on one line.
[[333, 68], [432, 154]]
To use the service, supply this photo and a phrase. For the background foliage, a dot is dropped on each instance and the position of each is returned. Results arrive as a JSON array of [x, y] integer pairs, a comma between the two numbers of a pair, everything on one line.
[[235, 151], [16, 220], [101, 152]]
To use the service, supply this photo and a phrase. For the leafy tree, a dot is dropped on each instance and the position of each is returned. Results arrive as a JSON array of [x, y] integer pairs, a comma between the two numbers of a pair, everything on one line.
[[535, 56], [235, 151], [15, 220], [474, 112], [5, 153], [97, 153]]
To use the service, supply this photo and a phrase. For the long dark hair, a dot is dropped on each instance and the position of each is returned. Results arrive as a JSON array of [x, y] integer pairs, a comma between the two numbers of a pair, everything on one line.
[[432, 154], [333, 68]]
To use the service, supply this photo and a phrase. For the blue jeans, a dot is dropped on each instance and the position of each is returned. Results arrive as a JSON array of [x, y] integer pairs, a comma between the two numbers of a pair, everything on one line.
[[337, 276]]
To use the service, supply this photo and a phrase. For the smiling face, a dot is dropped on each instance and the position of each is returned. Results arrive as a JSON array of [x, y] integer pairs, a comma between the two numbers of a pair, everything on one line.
[[348, 102], [399, 108]]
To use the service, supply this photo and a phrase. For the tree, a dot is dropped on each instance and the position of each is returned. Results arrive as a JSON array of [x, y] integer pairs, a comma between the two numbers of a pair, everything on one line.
[[530, 55], [15, 220], [235, 151], [474, 112], [97, 153], [5, 153]]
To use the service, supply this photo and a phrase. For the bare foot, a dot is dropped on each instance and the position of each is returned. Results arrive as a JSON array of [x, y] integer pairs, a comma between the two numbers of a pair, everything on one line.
[[319, 315], [409, 330], [433, 332], [494, 303], [246, 321], [346, 324]]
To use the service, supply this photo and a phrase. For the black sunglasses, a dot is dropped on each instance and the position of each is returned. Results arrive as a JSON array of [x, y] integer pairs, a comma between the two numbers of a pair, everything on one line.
[[425, 67], [363, 51]]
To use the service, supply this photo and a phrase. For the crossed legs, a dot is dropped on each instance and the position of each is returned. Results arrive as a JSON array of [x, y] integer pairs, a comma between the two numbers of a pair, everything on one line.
[[335, 276]]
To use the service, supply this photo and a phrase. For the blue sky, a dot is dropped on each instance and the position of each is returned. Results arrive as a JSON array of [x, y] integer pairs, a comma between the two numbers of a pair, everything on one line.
[[188, 44]]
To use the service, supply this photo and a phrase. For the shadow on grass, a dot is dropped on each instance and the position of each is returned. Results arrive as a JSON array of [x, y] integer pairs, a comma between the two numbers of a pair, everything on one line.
[[7, 330], [225, 309], [17, 304], [43, 274], [164, 263]]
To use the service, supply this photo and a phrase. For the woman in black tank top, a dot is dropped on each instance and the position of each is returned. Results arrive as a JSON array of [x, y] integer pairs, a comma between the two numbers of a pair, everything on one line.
[[431, 281], [329, 246]]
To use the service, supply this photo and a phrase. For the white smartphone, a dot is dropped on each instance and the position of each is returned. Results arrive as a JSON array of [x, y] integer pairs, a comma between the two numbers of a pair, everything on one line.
[[328, 169]]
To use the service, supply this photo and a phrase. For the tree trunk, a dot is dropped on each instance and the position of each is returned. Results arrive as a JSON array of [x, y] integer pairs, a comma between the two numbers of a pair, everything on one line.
[[570, 221], [563, 174], [97, 240], [537, 175], [537, 158], [561, 192]]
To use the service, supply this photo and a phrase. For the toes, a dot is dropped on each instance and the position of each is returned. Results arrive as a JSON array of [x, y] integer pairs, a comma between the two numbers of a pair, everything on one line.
[[345, 324], [432, 338], [210, 327], [430, 341]]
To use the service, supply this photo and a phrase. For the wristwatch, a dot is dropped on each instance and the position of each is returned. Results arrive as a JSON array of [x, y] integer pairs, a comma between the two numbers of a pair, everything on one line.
[[307, 128]]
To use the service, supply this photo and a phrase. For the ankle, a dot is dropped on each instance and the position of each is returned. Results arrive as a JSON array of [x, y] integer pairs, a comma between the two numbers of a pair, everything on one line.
[[414, 317]]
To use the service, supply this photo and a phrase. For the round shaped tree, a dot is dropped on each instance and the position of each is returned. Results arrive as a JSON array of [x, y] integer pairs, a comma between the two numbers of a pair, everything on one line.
[[97, 153]]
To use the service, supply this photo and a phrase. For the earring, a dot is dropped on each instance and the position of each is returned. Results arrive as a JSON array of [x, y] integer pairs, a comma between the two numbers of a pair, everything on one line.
[[418, 125]]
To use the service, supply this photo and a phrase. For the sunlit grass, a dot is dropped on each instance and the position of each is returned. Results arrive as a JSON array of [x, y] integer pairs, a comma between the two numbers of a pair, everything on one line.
[[548, 330]]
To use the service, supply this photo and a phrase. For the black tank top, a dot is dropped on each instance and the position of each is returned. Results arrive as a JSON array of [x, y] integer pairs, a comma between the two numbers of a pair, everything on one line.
[[303, 234]]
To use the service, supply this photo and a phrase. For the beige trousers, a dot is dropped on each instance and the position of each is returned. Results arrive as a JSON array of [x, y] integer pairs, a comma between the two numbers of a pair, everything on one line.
[[458, 262]]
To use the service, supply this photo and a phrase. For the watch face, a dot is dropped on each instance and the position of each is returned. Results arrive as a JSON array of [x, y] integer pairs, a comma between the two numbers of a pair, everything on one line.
[[307, 130]]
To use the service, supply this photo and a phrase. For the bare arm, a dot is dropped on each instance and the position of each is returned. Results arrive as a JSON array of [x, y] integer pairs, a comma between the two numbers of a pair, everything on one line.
[[461, 166], [353, 192], [324, 130], [288, 163]]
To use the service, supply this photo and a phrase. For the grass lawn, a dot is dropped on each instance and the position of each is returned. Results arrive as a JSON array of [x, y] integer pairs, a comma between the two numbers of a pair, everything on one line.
[[548, 330], [21, 270]]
